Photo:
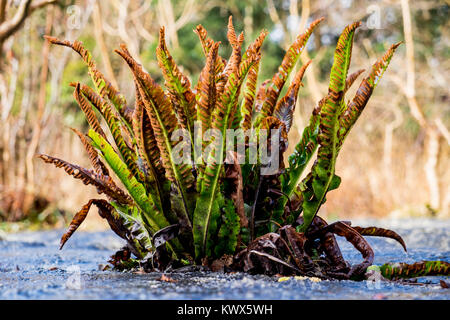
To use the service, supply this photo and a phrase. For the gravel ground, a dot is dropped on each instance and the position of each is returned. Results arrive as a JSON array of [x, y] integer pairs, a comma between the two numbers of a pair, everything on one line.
[[32, 267]]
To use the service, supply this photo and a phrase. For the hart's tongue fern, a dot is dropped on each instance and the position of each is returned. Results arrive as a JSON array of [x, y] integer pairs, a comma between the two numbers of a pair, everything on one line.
[[197, 211]]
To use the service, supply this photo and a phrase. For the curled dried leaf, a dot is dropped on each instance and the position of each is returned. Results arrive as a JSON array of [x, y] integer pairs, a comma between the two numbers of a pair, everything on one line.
[[330, 246], [357, 241], [104, 210], [380, 232], [297, 241]]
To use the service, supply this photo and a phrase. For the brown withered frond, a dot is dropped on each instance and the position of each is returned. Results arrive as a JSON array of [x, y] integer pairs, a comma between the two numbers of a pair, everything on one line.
[[88, 111], [145, 138], [272, 123], [252, 79], [98, 165], [179, 86], [105, 210], [261, 96], [233, 173], [104, 87], [88, 177], [381, 232], [284, 110], [206, 42], [120, 132], [162, 118], [236, 54], [289, 60], [352, 78], [206, 88], [77, 220]]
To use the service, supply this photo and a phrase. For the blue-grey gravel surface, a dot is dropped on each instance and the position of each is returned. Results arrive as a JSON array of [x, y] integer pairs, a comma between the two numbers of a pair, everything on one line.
[[32, 267]]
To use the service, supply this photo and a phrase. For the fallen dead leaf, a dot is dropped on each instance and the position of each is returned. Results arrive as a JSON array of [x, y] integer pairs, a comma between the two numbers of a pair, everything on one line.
[[166, 279]]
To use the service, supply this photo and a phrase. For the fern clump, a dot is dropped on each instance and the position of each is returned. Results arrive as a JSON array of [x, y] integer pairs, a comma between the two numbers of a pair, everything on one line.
[[189, 197]]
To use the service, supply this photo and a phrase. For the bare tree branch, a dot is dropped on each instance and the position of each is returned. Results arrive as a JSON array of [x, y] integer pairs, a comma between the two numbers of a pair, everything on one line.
[[8, 27], [26, 7], [2, 10]]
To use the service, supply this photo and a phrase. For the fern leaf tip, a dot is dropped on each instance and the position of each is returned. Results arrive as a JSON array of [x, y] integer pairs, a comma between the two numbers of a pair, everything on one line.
[[396, 45], [52, 40], [162, 34], [317, 21]]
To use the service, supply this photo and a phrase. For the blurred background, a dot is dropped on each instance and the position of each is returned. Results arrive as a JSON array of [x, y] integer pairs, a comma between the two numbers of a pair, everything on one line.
[[395, 162]]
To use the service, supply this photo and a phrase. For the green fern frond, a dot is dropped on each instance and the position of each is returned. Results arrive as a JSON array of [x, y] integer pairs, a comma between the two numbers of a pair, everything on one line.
[[317, 184]]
